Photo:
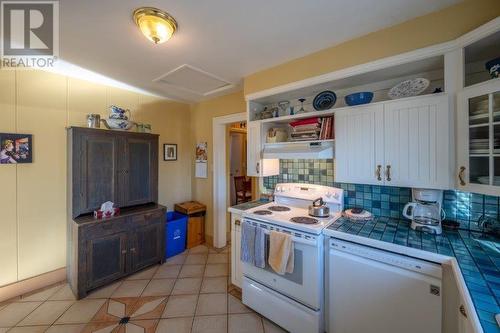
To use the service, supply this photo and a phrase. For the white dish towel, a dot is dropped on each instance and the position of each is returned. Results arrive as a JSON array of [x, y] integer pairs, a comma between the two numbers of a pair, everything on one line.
[[281, 255]]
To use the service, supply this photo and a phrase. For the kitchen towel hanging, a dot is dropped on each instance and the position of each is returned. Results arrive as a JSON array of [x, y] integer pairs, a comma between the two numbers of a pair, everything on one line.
[[281, 252], [248, 243], [260, 248]]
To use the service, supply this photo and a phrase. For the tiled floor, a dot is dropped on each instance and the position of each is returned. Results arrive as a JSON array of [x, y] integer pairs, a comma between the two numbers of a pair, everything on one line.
[[189, 293]]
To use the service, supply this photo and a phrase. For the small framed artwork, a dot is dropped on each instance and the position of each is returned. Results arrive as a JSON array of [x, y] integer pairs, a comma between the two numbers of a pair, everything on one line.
[[170, 152], [16, 148]]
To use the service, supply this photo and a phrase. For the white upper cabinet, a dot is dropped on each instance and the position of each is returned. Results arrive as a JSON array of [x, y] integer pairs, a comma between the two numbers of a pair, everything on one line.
[[253, 149], [358, 145], [478, 138], [417, 142], [399, 143]]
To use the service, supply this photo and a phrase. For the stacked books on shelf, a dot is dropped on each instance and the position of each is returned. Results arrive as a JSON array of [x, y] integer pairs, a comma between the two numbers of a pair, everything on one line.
[[310, 129]]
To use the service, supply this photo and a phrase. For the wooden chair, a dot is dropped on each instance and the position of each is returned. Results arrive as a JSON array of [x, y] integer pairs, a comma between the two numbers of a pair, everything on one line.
[[243, 189]]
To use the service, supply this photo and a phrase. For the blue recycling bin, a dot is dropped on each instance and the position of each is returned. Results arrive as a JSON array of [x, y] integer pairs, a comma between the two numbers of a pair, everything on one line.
[[175, 233]]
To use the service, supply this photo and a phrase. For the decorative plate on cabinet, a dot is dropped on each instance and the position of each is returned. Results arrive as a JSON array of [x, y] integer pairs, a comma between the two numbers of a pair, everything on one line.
[[324, 100], [408, 88]]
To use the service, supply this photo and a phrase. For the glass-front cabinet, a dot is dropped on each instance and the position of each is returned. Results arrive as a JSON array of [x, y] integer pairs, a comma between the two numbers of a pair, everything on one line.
[[478, 138]]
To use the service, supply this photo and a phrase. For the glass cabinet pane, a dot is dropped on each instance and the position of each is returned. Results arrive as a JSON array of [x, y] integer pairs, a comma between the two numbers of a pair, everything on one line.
[[478, 110], [479, 170], [496, 106], [479, 140], [496, 165]]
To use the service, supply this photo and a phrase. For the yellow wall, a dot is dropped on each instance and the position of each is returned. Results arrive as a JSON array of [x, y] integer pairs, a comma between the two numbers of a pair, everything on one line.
[[201, 127], [33, 196], [434, 28]]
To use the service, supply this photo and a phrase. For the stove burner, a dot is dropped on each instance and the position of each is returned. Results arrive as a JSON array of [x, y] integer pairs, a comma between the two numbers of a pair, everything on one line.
[[279, 208], [304, 220], [262, 212]]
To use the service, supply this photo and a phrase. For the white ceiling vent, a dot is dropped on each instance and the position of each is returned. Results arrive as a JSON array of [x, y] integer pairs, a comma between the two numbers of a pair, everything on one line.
[[192, 79]]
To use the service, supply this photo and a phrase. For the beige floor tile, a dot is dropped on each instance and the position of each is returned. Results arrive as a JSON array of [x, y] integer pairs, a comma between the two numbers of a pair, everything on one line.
[[15, 312], [104, 292], [217, 258], [175, 325], [81, 312], [29, 329], [270, 327], [216, 270], [199, 249], [176, 260], [245, 323], [211, 304], [66, 328], [46, 314], [196, 259], [63, 294], [132, 288], [192, 271], [159, 287], [180, 306], [145, 274], [235, 305], [210, 324], [214, 285], [41, 295], [167, 272], [187, 286]]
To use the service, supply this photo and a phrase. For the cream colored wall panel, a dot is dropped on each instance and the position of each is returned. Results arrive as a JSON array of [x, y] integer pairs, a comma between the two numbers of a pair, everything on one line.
[[8, 222], [83, 98], [172, 122], [41, 193]]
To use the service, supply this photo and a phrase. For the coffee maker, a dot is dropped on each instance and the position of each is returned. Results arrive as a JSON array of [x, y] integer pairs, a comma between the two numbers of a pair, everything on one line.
[[425, 211]]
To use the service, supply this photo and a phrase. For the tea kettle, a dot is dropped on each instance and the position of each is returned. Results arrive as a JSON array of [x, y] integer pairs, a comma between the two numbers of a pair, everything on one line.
[[319, 208]]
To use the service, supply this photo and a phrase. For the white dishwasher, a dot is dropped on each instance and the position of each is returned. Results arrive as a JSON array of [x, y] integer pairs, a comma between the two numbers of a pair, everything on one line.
[[371, 290]]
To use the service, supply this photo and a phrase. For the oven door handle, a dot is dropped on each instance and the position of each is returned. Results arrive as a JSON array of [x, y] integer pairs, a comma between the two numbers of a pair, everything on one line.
[[296, 239]]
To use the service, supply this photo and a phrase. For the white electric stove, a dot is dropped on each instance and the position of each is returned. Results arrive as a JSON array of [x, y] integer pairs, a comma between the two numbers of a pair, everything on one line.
[[293, 300], [290, 207]]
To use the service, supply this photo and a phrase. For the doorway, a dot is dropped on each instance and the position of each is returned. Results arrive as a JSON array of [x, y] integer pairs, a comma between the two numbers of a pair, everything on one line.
[[240, 186], [220, 175]]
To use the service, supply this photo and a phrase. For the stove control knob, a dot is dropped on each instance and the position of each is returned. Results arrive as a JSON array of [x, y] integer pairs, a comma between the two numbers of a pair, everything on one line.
[[328, 194], [278, 189]]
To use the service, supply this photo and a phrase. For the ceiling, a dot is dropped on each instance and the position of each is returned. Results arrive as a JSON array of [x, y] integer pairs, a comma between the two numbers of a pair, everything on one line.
[[227, 39]]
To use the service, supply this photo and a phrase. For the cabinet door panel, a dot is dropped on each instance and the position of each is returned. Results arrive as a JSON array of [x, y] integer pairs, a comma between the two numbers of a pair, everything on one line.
[[105, 259], [95, 171], [254, 150], [417, 143], [140, 171], [357, 144], [146, 247]]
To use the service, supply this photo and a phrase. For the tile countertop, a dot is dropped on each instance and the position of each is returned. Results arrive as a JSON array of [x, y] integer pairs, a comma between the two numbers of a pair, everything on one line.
[[238, 209], [477, 256]]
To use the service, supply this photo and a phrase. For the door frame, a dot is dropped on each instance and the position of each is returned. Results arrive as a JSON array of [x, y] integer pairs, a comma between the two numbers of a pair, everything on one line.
[[219, 186]]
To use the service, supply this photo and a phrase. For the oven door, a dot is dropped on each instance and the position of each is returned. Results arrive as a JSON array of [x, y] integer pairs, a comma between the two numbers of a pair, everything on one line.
[[305, 283]]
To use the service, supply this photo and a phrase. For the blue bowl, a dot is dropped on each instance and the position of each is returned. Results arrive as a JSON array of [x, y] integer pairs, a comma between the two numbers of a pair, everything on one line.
[[493, 67], [359, 98]]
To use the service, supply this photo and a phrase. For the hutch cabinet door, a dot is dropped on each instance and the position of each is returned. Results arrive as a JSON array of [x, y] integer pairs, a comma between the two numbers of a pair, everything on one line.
[[106, 258], [478, 139], [95, 170], [139, 170], [146, 245], [358, 144], [417, 143]]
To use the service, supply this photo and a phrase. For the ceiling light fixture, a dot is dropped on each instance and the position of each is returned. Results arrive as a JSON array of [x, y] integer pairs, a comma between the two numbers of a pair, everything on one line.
[[158, 26]]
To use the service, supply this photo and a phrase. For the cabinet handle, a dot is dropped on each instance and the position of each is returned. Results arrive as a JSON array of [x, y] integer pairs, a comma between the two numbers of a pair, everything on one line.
[[461, 175], [132, 250], [388, 173], [237, 222], [377, 172], [257, 167], [124, 251], [462, 311]]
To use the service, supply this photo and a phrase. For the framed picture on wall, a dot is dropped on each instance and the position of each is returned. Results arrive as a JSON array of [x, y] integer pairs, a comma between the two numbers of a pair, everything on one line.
[[170, 152], [16, 148]]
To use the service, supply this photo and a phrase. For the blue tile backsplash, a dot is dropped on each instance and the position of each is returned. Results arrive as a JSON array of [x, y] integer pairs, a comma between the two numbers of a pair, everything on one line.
[[385, 201]]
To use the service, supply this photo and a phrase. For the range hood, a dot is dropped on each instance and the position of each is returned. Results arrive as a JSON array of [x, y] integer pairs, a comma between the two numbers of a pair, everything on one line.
[[296, 150]]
